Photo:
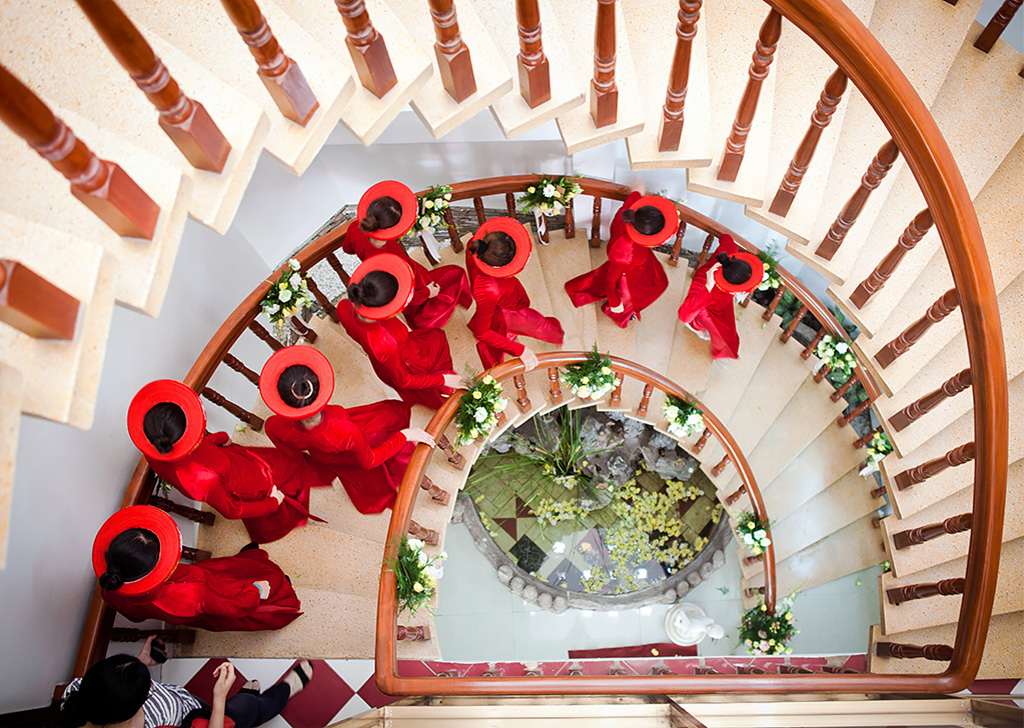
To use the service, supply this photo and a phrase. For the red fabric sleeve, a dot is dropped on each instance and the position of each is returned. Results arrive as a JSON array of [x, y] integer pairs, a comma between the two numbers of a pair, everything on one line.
[[620, 259], [485, 293], [200, 594], [231, 506], [371, 457]]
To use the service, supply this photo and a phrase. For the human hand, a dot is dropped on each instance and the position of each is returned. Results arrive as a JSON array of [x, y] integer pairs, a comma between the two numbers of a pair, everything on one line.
[[415, 434], [434, 289], [144, 655], [529, 357], [455, 381], [264, 588], [277, 495], [225, 676]]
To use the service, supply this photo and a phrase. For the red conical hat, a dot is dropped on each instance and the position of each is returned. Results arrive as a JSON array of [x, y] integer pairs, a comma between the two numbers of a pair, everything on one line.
[[756, 273], [291, 356], [401, 194], [521, 236], [667, 208], [401, 270], [151, 519], [167, 390]]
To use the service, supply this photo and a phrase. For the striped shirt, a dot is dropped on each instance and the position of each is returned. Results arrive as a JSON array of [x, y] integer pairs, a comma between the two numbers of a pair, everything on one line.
[[167, 705]]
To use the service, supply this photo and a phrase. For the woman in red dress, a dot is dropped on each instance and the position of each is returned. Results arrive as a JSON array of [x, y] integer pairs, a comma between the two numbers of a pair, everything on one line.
[[632, 278], [135, 556], [267, 489], [367, 448], [708, 307], [416, 364], [386, 212], [500, 248]]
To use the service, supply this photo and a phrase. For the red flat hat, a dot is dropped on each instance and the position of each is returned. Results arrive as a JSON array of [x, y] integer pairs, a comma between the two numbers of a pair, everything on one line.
[[151, 519], [521, 236], [167, 390], [291, 356], [401, 270], [401, 194], [756, 273], [667, 208]]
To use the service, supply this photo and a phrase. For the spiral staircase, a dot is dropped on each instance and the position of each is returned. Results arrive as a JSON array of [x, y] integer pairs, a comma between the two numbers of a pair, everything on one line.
[[823, 513]]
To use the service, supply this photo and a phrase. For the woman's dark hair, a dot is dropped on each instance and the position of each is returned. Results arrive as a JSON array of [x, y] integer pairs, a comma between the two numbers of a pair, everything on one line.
[[111, 691], [494, 249], [734, 270], [648, 220], [298, 386], [130, 556], [381, 214], [377, 288], [164, 425]]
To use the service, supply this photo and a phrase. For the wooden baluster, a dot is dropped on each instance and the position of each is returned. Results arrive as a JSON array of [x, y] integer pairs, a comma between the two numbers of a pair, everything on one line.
[[435, 492], [914, 411], [220, 400], [744, 300], [705, 250], [645, 401], [750, 669], [616, 669], [242, 369], [844, 420], [770, 311], [169, 636], [184, 120], [454, 456], [751, 592], [940, 653], [453, 61], [911, 236], [717, 470], [570, 219], [193, 554], [478, 205], [304, 331], [841, 392], [823, 371], [764, 52], [575, 670], [532, 64], [835, 87], [510, 204], [33, 305], [207, 518], [997, 25], [943, 588], [751, 560], [788, 333], [879, 167], [813, 344], [915, 536], [343, 276], [453, 231], [616, 398], [555, 390], [876, 522], [426, 535], [100, 185], [324, 301], [412, 634], [955, 457], [595, 225], [491, 671], [701, 441], [947, 303], [522, 398], [861, 442], [795, 670], [679, 77], [705, 671], [604, 95], [367, 49], [281, 75], [500, 420], [838, 670], [677, 245], [735, 496], [265, 336], [878, 492], [533, 672]]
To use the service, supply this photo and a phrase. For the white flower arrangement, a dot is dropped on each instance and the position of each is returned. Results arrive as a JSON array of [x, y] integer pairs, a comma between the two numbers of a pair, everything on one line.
[[478, 410], [753, 532], [837, 354], [550, 195], [592, 378], [879, 447], [770, 259], [684, 418], [287, 295], [416, 574], [767, 634], [432, 205]]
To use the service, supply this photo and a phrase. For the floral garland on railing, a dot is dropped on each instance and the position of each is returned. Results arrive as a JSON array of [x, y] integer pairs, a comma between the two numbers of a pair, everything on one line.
[[478, 410], [772, 277], [878, 447], [432, 206], [416, 575], [838, 356], [753, 532], [767, 634], [287, 295], [550, 195], [592, 378], [684, 418]]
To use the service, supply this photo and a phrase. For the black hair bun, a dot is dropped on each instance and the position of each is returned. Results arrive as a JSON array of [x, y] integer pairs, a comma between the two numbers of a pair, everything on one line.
[[111, 580]]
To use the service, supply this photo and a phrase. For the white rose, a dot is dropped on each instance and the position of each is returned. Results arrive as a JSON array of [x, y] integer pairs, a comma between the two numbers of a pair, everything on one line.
[[549, 190], [271, 310], [842, 347], [447, 195], [415, 543], [501, 404], [285, 296], [295, 281], [760, 533], [293, 264], [676, 430], [424, 221], [423, 559], [480, 415], [531, 190], [583, 392], [671, 412], [428, 204]]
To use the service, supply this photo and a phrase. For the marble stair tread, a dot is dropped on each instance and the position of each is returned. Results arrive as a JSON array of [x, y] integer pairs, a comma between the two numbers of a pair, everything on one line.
[[921, 495], [366, 115], [651, 25], [94, 333], [933, 611], [534, 282], [11, 393], [438, 111], [732, 30], [653, 348], [613, 339], [952, 545], [978, 148], [1000, 209], [513, 114], [691, 361], [563, 259], [1002, 658], [926, 66], [204, 32], [577, 19]]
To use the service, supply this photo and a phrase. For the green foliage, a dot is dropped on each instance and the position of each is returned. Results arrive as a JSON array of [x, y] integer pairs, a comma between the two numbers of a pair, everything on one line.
[[478, 410], [770, 258], [753, 532], [788, 307], [416, 574], [684, 418], [592, 378], [879, 447], [287, 295], [431, 208], [767, 634], [550, 195]]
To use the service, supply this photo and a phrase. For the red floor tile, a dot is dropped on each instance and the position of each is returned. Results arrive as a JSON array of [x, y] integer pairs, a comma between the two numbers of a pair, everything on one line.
[[201, 684], [321, 700]]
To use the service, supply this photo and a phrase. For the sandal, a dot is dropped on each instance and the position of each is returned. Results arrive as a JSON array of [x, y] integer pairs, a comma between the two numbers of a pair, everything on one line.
[[252, 687], [303, 670]]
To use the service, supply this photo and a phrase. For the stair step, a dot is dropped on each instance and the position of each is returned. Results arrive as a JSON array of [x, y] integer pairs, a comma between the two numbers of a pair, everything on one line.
[[11, 393], [650, 25], [577, 19], [690, 363], [438, 111], [1002, 658], [978, 152], [653, 347], [513, 114], [563, 259], [732, 30], [934, 611], [613, 339], [95, 330]]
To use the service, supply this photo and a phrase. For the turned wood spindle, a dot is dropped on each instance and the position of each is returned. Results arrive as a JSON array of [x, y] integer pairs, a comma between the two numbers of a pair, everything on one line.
[[533, 672], [957, 456], [367, 49], [876, 522], [324, 301], [915, 536], [750, 670], [751, 592], [744, 300], [841, 392], [735, 496], [770, 311], [194, 554], [420, 633], [100, 185], [764, 53], [832, 94], [914, 411], [813, 344], [575, 670], [478, 206], [207, 518], [531, 63], [672, 115], [661, 670], [879, 167], [717, 470], [705, 671], [940, 653], [281, 75], [234, 363], [701, 441], [878, 492], [862, 441], [263, 335], [500, 419], [616, 398], [510, 204], [943, 588], [453, 231], [555, 389], [169, 636], [454, 456], [645, 401], [604, 94], [616, 669], [453, 61], [244, 415], [337, 267], [595, 225], [844, 420], [795, 670], [751, 560], [33, 305], [434, 491], [570, 219], [838, 670], [997, 25], [823, 371], [522, 398], [705, 250], [947, 303], [911, 236], [304, 331], [788, 333], [677, 245], [424, 534]]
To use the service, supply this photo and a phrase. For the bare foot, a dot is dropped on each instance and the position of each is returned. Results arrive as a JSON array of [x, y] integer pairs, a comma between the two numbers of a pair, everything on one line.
[[298, 676]]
